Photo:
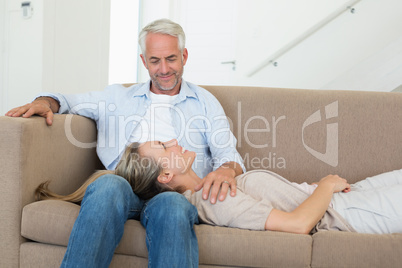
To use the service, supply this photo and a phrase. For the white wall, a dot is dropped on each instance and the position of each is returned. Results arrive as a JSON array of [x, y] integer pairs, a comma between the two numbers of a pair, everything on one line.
[[23, 63], [211, 29], [327, 58], [63, 47], [380, 71], [76, 45], [123, 55], [249, 31], [2, 54]]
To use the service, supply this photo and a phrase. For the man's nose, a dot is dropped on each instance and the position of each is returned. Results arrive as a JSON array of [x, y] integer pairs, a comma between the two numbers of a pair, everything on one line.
[[164, 67]]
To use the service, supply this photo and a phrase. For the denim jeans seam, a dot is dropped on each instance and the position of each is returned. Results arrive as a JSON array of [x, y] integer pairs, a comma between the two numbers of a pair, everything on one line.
[[135, 210], [144, 209], [147, 235]]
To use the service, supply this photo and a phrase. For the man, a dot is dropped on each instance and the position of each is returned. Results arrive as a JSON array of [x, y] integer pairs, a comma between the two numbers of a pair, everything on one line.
[[165, 107]]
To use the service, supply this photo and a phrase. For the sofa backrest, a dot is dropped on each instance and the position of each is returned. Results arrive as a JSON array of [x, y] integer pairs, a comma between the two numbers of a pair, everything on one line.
[[306, 134]]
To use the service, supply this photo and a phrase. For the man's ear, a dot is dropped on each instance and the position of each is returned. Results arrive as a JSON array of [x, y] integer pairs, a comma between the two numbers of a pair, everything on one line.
[[144, 60], [185, 56], [165, 177]]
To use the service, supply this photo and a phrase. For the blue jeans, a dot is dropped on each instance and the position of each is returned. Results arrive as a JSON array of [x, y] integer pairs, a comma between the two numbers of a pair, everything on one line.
[[108, 203]]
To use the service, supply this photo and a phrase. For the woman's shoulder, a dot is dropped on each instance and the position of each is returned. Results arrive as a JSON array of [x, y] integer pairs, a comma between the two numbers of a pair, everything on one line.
[[259, 173]]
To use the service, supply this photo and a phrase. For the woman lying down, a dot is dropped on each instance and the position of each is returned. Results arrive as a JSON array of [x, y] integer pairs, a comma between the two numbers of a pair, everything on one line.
[[264, 200]]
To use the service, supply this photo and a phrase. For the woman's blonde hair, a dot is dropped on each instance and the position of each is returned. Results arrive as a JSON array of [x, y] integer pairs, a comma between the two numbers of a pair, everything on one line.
[[141, 172]]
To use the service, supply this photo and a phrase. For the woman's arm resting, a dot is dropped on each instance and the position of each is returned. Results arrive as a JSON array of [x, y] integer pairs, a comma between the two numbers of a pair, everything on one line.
[[303, 219]]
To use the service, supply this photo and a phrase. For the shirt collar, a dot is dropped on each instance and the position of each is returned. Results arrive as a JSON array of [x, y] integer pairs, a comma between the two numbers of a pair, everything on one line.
[[185, 91], [143, 90]]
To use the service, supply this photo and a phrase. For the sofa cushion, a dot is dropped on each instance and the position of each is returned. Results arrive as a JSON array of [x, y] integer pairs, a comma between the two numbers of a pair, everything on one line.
[[343, 249], [51, 222], [244, 248], [274, 131]]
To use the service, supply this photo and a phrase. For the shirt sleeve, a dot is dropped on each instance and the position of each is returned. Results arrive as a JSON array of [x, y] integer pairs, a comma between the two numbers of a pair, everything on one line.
[[89, 104], [221, 141], [241, 211], [305, 187]]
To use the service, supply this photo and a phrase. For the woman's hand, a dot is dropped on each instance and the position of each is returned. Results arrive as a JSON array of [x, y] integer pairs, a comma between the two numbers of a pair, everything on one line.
[[302, 219], [339, 184]]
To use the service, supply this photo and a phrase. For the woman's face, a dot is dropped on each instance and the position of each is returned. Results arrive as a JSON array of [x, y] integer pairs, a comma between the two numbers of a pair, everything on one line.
[[169, 155]]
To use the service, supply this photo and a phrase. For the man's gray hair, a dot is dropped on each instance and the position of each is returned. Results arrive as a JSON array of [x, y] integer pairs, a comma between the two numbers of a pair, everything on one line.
[[162, 26]]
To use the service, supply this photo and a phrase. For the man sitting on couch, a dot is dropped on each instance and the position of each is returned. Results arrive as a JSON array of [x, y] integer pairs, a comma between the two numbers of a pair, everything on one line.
[[163, 108]]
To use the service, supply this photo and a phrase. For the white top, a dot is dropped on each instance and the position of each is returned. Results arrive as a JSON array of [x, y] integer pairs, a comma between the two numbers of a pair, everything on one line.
[[158, 112]]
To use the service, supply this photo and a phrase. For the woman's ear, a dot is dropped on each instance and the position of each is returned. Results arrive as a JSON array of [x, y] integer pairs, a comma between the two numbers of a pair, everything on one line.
[[165, 177]]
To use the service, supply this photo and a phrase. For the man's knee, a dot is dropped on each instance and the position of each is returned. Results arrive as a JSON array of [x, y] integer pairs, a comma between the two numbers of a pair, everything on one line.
[[173, 201], [171, 207], [109, 191], [110, 185]]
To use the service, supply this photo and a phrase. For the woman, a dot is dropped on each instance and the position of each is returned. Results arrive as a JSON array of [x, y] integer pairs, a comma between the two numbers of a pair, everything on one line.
[[264, 200]]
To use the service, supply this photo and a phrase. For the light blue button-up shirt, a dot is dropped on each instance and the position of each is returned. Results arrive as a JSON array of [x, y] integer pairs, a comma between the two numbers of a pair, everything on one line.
[[198, 118]]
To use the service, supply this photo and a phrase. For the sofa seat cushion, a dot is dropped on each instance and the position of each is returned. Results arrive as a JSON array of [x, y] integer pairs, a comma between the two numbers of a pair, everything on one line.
[[344, 249], [245, 248], [51, 222]]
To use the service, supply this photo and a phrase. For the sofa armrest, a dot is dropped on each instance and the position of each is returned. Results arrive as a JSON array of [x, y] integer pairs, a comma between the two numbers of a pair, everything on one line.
[[32, 152]]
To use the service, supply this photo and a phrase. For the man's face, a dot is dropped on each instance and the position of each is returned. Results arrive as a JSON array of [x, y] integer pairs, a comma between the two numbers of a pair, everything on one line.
[[164, 62]]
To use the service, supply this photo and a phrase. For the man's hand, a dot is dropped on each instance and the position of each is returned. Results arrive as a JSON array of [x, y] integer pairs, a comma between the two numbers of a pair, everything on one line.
[[42, 106], [220, 180]]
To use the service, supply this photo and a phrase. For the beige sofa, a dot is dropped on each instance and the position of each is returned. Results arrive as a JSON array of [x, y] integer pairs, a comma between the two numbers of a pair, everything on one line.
[[300, 134]]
